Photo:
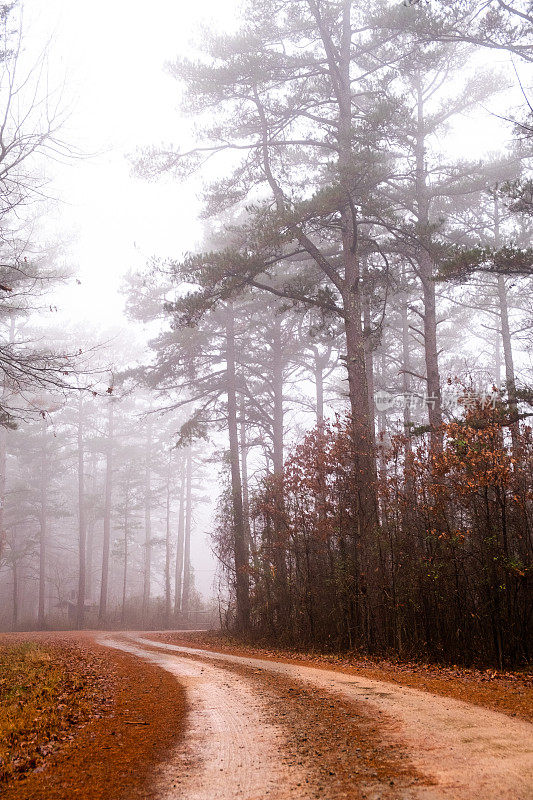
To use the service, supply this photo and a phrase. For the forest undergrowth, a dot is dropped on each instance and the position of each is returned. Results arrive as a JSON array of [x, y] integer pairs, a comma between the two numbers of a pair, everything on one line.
[[442, 574]]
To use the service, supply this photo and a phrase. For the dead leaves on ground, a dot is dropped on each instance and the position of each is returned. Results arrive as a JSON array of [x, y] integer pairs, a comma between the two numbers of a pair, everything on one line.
[[109, 754], [47, 692]]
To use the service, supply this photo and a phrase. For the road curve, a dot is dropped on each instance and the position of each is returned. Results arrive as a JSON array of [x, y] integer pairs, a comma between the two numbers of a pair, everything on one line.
[[471, 753], [231, 750]]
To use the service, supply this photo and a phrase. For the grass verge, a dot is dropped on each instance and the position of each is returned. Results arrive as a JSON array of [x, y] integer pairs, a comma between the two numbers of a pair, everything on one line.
[[45, 694], [100, 729]]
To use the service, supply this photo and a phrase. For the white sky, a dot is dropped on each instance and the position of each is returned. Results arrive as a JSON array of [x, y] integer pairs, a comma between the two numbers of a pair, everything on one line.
[[112, 54]]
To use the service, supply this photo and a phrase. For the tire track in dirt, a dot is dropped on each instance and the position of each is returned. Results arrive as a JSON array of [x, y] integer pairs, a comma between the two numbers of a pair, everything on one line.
[[471, 753], [336, 743], [229, 750]]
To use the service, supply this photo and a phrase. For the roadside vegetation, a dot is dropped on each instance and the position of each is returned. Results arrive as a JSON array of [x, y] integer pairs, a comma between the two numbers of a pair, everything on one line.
[[78, 720], [444, 576], [46, 693]]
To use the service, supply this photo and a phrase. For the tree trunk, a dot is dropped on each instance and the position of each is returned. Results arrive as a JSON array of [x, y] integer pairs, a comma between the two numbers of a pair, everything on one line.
[[126, 551], [89, 577], [180, 542], [497, 359], [41, 620], [277, 388], [364, 454], [362, 416], [431, 356], [102, 611], [15, 596], [3, 479], [406, 380], [3, 451], [508, 360], [506, 342], [280, 547], [239, 529], [147, 526], [244, 470], [382, 425], [82, 526], [319, 389], [369, 355], [3, 532], [186, 599], [168, 596], [89, 562], [425, 268]]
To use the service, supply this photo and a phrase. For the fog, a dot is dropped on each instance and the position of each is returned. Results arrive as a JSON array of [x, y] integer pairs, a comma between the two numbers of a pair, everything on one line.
[[207, 258]]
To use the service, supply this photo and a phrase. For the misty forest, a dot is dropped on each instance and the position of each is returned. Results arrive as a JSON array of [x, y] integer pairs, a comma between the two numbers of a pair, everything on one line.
[[333, 386], [266, 379]]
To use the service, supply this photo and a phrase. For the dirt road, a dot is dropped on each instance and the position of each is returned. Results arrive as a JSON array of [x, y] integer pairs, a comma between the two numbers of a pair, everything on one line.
[[235, 747], [230, 750]]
